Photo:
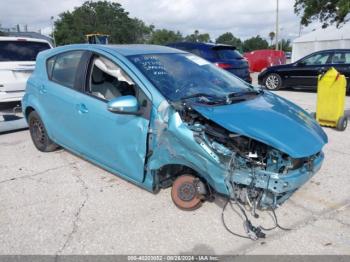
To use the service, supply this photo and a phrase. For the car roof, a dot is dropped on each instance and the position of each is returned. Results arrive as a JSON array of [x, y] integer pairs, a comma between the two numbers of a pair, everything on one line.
[[199, 44], [19, 38], [138, 49], [332, 50]]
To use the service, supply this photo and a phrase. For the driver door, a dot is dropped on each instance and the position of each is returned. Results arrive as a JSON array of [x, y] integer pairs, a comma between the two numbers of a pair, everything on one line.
[[116, 141], [305, 72]]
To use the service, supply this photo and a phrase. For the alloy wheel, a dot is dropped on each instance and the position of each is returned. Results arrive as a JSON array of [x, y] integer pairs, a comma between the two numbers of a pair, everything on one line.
[[272, 82]]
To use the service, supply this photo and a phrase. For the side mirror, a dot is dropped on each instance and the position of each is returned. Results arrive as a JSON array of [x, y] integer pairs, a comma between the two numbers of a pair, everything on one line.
[[124, 105], [301, 63]]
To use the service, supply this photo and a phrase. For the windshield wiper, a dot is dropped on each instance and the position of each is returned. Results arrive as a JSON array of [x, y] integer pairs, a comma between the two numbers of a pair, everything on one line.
[[199, 95], [243, 93]]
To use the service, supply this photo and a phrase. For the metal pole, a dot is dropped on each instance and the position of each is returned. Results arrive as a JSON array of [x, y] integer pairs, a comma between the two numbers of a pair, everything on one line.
[[277, 26]]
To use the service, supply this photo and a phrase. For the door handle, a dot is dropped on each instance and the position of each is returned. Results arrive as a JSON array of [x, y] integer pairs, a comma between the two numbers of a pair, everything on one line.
[[42, 89], [82, 109]]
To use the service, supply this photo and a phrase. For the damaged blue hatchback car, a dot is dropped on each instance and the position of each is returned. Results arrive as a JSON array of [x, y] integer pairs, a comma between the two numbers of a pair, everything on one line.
[[161, 117]]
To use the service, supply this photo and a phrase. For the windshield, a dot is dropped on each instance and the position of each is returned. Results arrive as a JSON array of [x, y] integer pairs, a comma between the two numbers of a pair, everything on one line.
[[20, 50], [228, 54], [180, 76]]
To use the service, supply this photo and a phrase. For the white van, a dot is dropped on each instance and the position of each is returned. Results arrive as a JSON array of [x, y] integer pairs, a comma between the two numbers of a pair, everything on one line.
[[17, 62]]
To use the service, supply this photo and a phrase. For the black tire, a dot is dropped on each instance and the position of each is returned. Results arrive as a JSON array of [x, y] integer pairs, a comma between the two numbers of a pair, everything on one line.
[[39, 134], [273, 82], [342, 123]]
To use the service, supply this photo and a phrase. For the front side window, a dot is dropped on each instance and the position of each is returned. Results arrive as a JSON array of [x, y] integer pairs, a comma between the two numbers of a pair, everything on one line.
[[318, 59], [21, 50], [64, 67], [178, 76], [108, 80]]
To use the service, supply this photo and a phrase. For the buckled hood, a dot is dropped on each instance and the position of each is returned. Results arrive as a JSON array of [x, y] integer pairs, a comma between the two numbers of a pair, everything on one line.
[[271, 120]]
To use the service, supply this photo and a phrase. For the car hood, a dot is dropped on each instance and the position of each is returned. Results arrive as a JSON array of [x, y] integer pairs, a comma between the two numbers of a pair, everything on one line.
[[271, 120]]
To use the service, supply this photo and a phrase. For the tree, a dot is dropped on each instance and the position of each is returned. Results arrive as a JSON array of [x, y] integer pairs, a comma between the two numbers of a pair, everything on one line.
[[197, 37], [163, 36], [271, 36], [255, 43], [285, 45], [326, 11], [99, 17], [229, 39]]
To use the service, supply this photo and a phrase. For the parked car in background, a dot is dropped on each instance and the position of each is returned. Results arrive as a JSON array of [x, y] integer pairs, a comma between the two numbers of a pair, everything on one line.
[[17, 62], [288, 55], [261, 59], [304, 72], [224, 56], [162, 117]]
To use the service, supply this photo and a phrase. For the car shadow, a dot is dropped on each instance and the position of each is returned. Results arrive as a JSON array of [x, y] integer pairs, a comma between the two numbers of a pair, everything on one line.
[[8, 106]]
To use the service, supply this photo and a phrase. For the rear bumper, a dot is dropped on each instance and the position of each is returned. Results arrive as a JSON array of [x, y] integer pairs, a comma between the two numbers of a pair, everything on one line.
[[11, 96], [244, 76]]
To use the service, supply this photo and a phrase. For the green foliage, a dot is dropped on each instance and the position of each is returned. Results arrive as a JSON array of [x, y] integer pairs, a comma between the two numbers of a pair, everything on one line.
[[3, 33], [163, 37], [326, 11], [285, 44], [272, 36], [255, 43], [99, 17], [197, 37], [229, 39]]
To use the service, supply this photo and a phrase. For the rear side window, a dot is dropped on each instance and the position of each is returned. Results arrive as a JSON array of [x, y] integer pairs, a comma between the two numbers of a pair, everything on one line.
[[341, 58], [20, 50], [228, 54], [62, 68]]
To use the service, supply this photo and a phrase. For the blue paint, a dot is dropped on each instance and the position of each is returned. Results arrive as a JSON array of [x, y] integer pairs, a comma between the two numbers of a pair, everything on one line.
[[272, 120], [136, 147]]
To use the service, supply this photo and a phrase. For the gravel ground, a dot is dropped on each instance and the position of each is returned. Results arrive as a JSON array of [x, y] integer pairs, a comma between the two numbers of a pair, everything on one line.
[[57, 203]]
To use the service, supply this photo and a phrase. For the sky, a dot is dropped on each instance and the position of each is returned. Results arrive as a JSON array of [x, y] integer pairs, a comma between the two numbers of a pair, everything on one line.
[[244, 18]]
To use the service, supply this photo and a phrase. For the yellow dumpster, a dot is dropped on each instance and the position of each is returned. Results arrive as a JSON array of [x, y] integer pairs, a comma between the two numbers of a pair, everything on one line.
[[331, 89]]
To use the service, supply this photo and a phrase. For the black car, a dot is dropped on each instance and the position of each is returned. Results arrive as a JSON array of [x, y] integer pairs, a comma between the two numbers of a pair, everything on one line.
[[224, 56], [304, 72]]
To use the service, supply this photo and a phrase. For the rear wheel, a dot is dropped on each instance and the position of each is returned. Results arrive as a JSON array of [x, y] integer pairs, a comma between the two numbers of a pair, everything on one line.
[[273, 82], [342, 123], [39, 134], [184, 193]]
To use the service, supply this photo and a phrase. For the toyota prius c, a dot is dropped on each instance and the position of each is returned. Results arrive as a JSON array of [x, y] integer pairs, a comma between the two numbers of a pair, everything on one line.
[[161, 117]]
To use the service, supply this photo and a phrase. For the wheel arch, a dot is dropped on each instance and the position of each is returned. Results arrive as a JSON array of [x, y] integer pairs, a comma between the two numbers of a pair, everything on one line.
[[281, 78], [27, 111], [171, 171]]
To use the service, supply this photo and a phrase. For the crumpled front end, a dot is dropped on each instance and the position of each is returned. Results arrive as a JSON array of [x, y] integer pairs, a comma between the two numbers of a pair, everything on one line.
[[255, 173], [232, 164]]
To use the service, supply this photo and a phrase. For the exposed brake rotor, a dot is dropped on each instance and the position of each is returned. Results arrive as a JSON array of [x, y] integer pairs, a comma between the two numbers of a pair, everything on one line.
[[184, 193]]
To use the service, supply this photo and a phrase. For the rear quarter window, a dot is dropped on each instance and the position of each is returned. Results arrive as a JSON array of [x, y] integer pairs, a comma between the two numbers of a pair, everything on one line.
[[62, 68], [21, 50]]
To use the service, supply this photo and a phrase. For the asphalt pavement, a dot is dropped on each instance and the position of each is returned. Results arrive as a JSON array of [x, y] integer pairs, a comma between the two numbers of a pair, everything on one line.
[[58, 203]]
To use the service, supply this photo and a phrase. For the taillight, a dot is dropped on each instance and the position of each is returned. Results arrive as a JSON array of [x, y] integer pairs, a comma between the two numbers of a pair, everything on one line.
[[223, 65]]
